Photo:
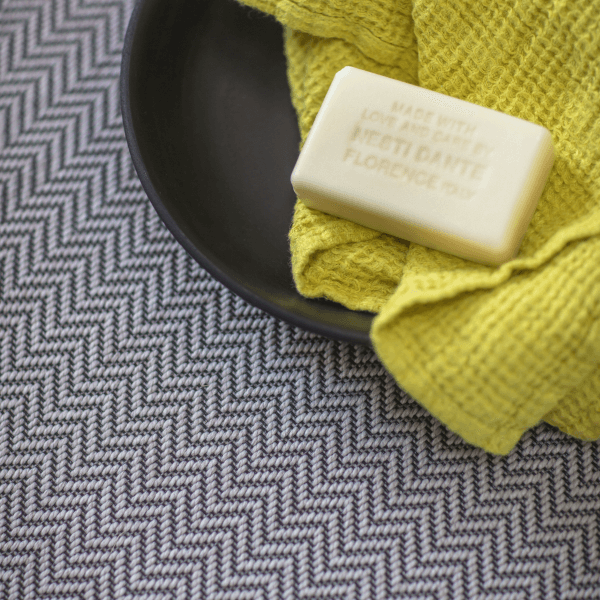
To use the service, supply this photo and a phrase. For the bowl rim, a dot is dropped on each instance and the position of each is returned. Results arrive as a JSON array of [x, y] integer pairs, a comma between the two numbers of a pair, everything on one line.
[[330, 331]]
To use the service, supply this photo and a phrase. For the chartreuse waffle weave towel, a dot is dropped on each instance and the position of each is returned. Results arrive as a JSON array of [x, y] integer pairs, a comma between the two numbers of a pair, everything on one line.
[[490, 351]]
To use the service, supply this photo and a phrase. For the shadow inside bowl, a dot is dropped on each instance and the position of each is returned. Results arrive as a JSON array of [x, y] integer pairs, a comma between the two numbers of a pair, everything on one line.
[[214, 138]]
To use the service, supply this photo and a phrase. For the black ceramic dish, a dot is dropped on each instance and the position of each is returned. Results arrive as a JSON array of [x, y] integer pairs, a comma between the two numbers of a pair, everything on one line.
[[214, 139]]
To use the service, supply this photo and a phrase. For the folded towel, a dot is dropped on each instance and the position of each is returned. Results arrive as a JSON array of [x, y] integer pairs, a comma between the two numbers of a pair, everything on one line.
[[490, 351]]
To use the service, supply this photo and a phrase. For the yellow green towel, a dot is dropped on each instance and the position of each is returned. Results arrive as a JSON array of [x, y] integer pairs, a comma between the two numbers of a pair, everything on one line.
[[489, 351]]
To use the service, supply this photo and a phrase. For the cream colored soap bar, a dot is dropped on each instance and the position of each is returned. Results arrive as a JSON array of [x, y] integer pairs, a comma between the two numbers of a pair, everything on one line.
[[423, 166]]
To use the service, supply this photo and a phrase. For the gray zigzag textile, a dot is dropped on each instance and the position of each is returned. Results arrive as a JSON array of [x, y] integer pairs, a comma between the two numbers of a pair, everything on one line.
[[160, 438]]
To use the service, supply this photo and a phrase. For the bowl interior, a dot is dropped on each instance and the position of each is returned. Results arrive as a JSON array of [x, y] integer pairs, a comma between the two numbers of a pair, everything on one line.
[[214, 139]]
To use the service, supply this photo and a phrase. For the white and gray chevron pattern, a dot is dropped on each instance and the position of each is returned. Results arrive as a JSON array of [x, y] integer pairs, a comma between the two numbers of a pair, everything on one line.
[[161, 439]]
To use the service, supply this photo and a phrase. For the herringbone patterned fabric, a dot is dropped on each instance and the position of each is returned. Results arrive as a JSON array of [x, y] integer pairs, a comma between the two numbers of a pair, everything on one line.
[[159, 438]]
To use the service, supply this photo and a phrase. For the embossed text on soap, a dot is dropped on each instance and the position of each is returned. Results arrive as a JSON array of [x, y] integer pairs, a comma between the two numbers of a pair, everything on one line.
[[420, 147]]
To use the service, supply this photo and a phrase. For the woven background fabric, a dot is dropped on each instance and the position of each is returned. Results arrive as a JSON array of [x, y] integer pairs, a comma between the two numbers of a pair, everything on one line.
[[160, 438]]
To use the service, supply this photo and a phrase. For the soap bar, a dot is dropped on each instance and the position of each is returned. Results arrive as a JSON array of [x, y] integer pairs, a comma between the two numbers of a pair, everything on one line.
[[423, 166]]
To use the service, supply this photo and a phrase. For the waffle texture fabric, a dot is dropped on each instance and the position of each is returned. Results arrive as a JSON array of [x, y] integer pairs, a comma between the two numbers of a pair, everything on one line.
[[490, 351]]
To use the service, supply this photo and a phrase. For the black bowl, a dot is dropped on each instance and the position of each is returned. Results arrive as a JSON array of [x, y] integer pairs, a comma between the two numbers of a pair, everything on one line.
[[214, 138]]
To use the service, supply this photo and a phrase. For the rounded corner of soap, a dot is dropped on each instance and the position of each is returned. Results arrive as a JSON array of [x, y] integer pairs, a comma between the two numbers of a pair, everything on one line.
[[294, 177], [343, 73], [502, 254], [547, 142], [346, 69], [299, 186]]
